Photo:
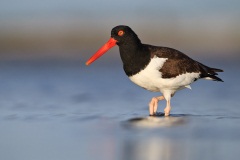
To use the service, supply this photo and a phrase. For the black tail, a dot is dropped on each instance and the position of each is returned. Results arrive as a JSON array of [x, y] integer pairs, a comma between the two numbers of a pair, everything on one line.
[[210, 73], [216, 70], [214, 78], [213, 73]]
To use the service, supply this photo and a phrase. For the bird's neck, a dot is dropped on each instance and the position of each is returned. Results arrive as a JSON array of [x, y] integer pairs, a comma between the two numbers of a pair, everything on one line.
[[135, 57]]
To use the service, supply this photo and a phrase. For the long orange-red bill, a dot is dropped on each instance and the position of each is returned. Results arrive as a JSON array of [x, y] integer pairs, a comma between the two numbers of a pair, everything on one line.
[[110, 43]]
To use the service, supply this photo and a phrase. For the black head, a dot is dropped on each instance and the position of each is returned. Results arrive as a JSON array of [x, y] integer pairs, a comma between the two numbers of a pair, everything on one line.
[[124, 35]]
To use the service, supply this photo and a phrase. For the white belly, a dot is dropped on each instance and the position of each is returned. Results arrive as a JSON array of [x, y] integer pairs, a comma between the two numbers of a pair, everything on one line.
[[151, 78]]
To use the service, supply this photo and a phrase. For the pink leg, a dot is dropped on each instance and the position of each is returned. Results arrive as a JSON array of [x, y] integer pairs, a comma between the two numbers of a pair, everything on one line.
[[168, 108], [153, 105], [168, 96]]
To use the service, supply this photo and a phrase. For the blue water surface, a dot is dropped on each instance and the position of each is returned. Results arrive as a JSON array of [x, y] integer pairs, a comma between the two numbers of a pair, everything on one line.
[[57, 110]]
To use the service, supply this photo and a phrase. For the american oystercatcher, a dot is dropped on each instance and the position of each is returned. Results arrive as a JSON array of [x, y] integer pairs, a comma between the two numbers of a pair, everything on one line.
[[157, 69]]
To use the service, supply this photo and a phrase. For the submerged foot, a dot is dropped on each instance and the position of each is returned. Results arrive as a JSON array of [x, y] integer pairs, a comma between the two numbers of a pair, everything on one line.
[[157, 114]]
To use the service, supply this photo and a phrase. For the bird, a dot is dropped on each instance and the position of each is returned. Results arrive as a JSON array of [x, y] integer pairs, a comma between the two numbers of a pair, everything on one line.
[[155, 68]]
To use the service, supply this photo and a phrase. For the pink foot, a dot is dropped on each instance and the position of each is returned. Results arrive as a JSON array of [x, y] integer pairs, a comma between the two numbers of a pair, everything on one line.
[[167, 111]]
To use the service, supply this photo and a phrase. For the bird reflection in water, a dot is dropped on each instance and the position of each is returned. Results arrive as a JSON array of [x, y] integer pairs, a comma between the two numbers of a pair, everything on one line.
[[156, 121], [154, 148], [149, 144]]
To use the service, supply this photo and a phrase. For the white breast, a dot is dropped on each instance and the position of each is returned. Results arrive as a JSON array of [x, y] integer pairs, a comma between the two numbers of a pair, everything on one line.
[[151, 78]]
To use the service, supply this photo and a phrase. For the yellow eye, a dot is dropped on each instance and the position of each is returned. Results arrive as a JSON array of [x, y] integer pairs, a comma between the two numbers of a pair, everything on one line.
[[120, 33]]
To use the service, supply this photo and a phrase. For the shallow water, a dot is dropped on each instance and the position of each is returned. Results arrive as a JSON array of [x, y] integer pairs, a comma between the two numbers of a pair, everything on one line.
[[64, 110]]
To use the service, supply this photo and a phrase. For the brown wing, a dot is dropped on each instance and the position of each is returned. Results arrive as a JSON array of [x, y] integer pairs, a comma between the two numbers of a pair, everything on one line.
[[178, 63], [175, 67]]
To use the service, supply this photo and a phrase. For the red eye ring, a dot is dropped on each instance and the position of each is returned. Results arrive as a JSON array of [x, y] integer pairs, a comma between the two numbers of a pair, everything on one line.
[[120, 33]]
